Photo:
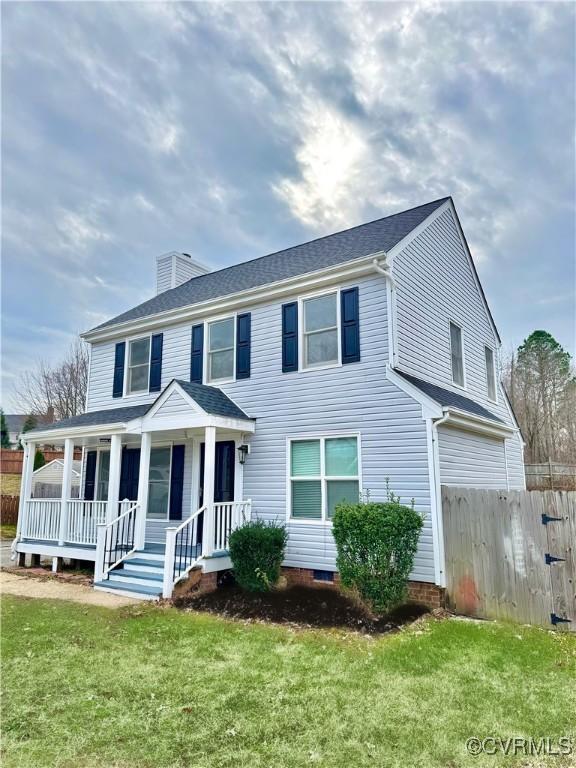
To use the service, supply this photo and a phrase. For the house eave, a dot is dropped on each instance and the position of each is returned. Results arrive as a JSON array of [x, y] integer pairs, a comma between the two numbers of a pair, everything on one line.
[[316, 279], [473, 423]]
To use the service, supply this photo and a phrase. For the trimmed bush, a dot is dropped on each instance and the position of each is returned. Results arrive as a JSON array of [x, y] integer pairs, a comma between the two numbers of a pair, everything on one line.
[[376, 544], [257, 551]]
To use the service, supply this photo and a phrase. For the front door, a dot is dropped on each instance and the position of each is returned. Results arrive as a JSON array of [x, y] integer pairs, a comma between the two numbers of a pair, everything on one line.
[[224, 464], [223, 471], [129, 474]]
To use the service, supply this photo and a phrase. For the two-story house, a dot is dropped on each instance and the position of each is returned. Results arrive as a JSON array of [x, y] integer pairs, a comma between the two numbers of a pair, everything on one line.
[[274, 389]]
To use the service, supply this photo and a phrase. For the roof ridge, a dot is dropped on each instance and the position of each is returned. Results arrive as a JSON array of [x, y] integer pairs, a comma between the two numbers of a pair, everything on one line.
[[316, 240]]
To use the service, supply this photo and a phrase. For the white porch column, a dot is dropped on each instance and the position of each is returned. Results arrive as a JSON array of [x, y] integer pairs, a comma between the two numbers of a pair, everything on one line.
[[143, 477], [114, 478], [25, 486], [208, 500], [66, 488]]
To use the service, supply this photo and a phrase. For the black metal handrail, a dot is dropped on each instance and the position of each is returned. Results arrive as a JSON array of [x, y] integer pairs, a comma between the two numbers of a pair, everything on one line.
[[120, 537]]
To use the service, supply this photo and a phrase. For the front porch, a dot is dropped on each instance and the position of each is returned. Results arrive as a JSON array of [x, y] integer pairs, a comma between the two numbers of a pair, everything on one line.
[[159, 494]]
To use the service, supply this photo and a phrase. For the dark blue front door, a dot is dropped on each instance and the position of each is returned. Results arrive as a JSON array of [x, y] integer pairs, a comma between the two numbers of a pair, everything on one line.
[[224, 463]]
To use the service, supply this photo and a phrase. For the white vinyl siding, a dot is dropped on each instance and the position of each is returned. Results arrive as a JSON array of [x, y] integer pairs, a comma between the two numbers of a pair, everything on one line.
[[471, 460], [435, 284], [350, 398]]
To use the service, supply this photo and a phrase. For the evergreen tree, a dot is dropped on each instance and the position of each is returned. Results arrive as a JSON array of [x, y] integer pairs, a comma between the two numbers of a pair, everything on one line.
[[5, 440]]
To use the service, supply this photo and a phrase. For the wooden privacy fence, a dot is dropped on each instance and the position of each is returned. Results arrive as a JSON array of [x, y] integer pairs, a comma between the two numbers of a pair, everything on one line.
[[11, 461], [9, 509], [551, 475], [511, 554]]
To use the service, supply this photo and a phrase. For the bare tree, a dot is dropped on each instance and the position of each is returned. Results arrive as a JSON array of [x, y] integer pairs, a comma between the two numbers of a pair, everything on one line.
[[59, 390]]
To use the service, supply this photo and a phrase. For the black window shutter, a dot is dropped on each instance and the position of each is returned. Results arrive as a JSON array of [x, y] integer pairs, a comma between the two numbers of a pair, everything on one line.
[[350, 325], [156, 363], [119, 355], [197, 354], [290, 337], [177, 482], [243, 328], [90, 478]]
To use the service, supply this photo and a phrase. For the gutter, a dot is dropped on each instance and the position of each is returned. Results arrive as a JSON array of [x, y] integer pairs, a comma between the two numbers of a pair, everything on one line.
[[383, 269]]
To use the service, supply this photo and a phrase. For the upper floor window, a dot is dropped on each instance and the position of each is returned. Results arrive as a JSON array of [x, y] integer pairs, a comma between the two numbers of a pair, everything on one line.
[[320, 331], [138, 365], [457, 354], [490, 372], [323, 472], [221, 345]]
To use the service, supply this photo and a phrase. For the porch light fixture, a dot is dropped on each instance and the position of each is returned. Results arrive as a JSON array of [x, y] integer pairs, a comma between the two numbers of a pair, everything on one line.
[[242, 452]]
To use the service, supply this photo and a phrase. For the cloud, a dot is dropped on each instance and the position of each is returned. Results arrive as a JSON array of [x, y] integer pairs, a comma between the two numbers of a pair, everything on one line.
[[232, 130]]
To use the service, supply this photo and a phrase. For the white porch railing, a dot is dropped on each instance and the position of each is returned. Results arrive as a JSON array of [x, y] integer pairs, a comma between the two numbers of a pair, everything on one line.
[[182, 547], [116, 540], [227, 516], [83, 517], [182, 551], [41, 519]]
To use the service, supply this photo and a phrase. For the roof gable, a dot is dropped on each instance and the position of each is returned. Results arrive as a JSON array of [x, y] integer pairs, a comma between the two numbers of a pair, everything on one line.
[[339, 248]]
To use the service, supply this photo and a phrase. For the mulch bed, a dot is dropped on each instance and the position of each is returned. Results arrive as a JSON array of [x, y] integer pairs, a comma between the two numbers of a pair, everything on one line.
[[46, 574], [310, 607]]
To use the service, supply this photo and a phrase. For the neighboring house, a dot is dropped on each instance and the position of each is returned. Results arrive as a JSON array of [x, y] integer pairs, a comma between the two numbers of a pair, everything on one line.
[[15, 423], [47, 480], [276, 388]]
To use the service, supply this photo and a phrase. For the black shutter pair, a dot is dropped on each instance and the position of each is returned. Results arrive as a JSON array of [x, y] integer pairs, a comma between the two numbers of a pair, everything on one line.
[[349, 330], [155, 375], [243, 349]]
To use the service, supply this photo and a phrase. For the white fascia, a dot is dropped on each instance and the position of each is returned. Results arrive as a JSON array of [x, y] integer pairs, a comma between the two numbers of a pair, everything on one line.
[[222, 305]]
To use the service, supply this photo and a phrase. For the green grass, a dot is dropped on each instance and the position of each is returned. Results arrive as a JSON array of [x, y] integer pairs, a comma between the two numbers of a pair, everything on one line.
[[152, 687], [7, 531]]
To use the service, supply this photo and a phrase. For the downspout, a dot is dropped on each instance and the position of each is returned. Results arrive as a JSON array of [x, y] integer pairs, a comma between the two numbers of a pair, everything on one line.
[[390, 302], [435, 475]]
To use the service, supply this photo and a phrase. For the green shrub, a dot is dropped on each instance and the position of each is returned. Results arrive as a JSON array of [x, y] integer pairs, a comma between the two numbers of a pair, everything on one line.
[[39, 460], [376, 544], [257, 551]]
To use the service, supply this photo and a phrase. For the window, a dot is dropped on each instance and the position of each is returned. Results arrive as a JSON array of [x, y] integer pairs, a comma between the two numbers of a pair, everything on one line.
[[323, 472], [457, 354], [159, 483], [221, 342], [320, 331], [138, 365], [490, 372], [103, 475]]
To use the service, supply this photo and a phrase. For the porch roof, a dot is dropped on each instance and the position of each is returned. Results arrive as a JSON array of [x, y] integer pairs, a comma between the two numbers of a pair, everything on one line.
[[210, 400]]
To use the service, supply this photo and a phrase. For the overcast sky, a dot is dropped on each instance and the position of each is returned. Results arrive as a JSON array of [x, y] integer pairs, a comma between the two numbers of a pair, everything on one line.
[[230, 131]]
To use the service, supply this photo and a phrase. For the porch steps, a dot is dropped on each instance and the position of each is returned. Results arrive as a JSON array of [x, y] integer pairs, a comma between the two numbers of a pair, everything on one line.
[[141, 575]]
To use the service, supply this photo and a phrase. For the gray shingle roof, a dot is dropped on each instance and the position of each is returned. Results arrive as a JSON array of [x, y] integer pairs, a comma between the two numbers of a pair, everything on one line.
[[211, 399], [448, 399], [380, 235], [95, 418]]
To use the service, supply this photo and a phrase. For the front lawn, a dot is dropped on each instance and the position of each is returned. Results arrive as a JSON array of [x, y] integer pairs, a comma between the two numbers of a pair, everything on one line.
[[153, 687]]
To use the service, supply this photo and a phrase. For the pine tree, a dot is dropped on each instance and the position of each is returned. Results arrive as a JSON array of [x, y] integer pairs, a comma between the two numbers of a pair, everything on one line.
[[5, 440]]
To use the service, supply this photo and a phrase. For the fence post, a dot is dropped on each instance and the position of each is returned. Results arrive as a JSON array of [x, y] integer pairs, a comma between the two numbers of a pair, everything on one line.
[[100, 565], [550, 471], [169, 562]]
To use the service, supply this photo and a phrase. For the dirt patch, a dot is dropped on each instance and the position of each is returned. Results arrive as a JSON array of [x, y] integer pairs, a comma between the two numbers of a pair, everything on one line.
[[308, 607], [50, 589], [84, 577]]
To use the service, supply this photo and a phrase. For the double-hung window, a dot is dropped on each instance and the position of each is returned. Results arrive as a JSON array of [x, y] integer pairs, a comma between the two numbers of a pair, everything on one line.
[[138, 365], [320, 330], [221, 346], [457, 354], [490, 372], [324, 471], [159, 482]]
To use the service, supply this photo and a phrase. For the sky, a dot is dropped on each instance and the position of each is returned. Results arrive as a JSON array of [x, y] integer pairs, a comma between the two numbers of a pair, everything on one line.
[[229, 131]]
